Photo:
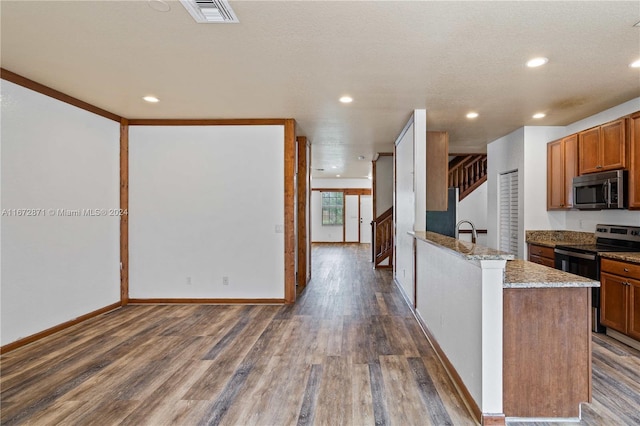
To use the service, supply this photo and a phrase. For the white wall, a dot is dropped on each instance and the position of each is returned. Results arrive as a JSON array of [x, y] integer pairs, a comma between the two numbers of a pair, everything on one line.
[[56, 268], [404, 215], [474, 208], [384, 184], [420, 169], [535, 178], [504, 155], [198, 213], [333, 233], [341, 183]]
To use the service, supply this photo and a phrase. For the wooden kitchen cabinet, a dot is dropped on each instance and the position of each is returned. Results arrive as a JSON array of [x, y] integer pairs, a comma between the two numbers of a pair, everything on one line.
[[634, 161], [613, 302], [603, 148], [541, 255], [437, 171], [620, 297], [562, 167]]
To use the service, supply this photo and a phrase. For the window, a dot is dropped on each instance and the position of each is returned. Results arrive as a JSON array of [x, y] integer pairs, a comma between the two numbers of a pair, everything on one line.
[[332, 208], [509, 212]]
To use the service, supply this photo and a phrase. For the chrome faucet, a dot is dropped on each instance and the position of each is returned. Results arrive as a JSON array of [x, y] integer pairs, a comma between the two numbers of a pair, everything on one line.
[[474, 233]]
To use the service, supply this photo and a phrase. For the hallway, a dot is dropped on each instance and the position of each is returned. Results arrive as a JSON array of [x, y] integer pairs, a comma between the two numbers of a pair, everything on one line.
[[348, 352]]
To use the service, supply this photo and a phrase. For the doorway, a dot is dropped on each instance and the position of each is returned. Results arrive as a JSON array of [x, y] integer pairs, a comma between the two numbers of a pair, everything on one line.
[[357, 218]]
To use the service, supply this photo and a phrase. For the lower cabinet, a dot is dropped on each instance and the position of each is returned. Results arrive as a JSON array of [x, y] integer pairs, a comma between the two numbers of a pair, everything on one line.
[[620, 297], [542, 255]]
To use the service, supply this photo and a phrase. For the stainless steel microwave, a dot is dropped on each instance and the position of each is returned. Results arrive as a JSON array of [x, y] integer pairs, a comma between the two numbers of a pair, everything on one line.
[[599, 191]]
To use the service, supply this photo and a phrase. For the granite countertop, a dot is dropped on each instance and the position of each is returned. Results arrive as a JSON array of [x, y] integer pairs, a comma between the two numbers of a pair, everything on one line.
[[465, 249], [626, 257], [554, 238], [525, 274]]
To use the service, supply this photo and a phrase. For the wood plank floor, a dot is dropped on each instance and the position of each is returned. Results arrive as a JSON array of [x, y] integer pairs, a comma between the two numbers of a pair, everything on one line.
[[349, 352]]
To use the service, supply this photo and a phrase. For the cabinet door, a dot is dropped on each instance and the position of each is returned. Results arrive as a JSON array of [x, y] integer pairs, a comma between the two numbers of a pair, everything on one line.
[[634, 169], [589, 149], [570, 149], [634, 309], [613, 145], [613, 302], [555, 176]]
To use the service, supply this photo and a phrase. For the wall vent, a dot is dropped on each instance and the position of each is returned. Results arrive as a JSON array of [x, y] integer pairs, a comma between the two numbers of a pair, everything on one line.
[[210, 11]]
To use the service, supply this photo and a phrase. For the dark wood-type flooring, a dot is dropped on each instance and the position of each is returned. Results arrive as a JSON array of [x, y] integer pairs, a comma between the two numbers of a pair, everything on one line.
[[349, 352]]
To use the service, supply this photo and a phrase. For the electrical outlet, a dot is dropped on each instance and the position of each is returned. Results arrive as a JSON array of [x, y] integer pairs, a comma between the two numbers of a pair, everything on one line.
[[225, 280], [188, 280]]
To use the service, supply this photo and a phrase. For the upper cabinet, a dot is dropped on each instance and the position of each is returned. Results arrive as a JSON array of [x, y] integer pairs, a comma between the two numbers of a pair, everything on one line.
[[634, 160], [437, 171], [602, 148], [562, 167]]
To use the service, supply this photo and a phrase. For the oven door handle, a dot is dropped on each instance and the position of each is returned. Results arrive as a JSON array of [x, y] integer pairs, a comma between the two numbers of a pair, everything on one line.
[[574, 254]]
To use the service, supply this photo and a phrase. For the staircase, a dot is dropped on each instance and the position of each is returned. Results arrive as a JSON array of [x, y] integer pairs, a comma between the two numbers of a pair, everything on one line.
[[383, 239], [467, 172]]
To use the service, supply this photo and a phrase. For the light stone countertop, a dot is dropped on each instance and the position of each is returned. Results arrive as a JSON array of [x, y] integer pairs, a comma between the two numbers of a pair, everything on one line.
[[525, 274], [554, 238], [518, 273], [465, 249], [624, 256]]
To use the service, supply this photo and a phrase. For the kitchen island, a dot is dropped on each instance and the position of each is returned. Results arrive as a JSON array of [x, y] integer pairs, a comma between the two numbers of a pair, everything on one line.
[[515, 336]]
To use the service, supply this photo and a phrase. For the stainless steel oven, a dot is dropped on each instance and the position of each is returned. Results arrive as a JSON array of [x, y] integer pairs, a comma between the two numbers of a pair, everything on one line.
[[584, 259], [586, 264]]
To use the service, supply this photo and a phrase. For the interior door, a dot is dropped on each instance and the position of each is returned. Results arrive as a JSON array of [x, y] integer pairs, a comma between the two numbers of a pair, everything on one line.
[[366, 216], [351, 219]]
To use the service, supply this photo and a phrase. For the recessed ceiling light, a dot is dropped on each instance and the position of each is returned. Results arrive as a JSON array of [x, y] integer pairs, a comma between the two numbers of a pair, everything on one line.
[[346, 99], [151, 99], [360, 157], [472, 115], [337, 175], [637, 24], [536, 62], [159, 5], [334, 167], [539, 115], [635, 64]]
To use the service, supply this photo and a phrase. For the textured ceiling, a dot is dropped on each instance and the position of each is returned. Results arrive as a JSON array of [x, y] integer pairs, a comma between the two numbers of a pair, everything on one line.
[[294, 59]]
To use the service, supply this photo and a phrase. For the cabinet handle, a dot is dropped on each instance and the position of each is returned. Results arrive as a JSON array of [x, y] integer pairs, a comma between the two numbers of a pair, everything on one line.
[[626, 269], [598, 167], [626, 283]]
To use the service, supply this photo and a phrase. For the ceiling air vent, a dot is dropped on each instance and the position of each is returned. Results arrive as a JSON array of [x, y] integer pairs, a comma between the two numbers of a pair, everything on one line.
[[210, 11]]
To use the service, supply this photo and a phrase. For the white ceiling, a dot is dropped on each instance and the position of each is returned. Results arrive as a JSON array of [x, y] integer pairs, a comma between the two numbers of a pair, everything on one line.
[[294, 59]]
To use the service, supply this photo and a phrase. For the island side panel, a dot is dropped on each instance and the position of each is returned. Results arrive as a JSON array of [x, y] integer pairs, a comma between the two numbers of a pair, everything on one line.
[[547, 351], [449, 304]]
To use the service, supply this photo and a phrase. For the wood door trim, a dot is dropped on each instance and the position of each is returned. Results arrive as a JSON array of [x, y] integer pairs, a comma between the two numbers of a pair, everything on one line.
[[289, 211], [30, 339], [208, 122], [124, 206], [303, 170], [55, 94]]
